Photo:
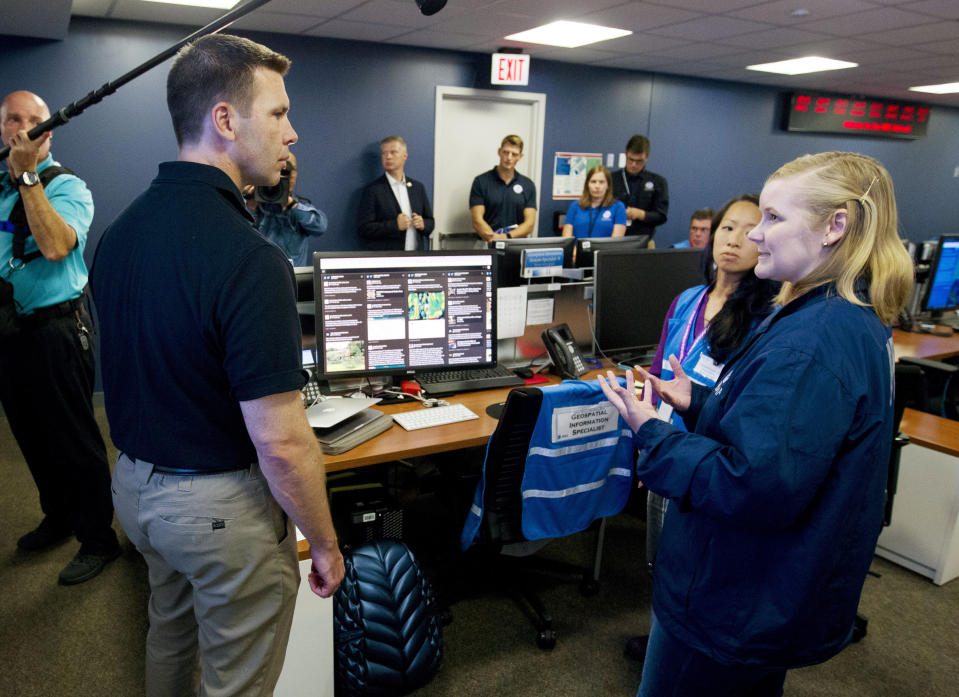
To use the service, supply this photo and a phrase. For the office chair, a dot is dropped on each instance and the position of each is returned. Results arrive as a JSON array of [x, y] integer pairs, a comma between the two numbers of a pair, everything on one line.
[[936, 389], [911, 390], [514, 504]]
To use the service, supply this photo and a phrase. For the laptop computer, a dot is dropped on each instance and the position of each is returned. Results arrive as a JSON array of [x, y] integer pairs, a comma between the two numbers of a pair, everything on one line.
[[325, 411], [332, 410]]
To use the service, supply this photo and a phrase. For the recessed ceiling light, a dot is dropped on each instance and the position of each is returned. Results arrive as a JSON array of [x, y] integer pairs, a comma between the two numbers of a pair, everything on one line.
[[568, 34], [798, 66], [218, 4], [946, 88]]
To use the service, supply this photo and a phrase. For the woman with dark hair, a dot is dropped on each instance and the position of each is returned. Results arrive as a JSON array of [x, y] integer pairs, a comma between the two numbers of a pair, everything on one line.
[[596, 213], [704, 326], [779, 488]]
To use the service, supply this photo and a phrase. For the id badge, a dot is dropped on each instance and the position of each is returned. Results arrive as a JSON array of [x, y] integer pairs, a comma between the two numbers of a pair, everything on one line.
[[665, 411], [708, 368]]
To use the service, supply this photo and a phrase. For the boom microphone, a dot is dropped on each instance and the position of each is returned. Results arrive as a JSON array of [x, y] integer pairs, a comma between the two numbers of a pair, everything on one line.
[[61, 116]]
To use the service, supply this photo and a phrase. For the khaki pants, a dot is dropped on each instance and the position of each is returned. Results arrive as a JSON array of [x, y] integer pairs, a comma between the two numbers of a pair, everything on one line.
[[223, 577]]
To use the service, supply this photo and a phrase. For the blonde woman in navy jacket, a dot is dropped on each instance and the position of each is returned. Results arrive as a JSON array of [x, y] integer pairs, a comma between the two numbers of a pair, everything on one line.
[[777, 492]]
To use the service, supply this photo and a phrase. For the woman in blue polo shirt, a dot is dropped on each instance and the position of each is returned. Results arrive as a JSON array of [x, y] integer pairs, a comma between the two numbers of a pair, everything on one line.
[[777, 491], [597, 213]]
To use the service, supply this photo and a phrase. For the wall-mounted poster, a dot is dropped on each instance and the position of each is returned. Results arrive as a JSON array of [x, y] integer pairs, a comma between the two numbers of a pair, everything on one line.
[[569, 173]]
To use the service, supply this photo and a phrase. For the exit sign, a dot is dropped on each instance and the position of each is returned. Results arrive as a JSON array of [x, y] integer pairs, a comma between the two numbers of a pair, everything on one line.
[[510, 69]]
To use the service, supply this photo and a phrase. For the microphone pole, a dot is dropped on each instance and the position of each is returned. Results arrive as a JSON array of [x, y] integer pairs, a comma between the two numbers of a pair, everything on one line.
[[61, 116]]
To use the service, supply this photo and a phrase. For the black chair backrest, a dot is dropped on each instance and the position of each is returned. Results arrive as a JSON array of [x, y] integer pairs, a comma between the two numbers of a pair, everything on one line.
[[506, 463]]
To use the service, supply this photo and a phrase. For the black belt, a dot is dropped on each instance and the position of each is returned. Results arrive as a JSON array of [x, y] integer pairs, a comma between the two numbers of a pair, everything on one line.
[[194, 471], [45, 314]]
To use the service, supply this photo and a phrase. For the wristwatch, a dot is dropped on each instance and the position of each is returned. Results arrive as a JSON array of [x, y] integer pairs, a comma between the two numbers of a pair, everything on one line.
[[28, 179]]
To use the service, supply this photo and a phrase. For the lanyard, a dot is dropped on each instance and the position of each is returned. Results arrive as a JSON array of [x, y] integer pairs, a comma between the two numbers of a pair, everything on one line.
[[685, 350], [623, 172], [592, 220]]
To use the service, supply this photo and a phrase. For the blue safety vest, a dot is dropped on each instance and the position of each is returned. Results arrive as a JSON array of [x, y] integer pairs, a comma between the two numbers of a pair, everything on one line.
[[579, 466]]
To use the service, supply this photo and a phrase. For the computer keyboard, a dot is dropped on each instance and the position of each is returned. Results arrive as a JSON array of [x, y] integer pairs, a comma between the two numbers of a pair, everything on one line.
[[434, 416], [440, 382]]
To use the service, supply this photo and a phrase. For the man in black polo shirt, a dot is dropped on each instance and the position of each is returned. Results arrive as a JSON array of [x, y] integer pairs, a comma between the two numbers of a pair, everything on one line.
[[503, 201], [645, 193], [202, 377]]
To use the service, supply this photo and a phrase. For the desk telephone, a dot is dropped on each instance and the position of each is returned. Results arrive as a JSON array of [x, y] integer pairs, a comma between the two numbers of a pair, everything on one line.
[[563, 351]]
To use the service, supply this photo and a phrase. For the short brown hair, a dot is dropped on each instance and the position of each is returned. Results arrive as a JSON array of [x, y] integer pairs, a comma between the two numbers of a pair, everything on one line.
[[703, 214], [392, 139], [638, 144], [215, 68], [513, 140]]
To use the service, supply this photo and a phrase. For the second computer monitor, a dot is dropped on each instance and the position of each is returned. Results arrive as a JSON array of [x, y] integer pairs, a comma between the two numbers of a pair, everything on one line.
[[942, 289], [509, 271], [586, 246], [632, 292]]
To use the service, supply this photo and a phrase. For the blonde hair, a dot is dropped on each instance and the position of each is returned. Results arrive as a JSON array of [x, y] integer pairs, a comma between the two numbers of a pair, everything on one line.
[[586, 201], [870, 248]]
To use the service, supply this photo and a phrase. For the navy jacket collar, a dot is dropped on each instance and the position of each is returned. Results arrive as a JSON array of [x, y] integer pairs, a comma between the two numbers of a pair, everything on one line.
[[207, 175]]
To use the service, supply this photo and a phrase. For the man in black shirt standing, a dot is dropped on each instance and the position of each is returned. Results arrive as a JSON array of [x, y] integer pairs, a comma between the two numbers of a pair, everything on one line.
[[645, 193], [202, 378], [503, 201]]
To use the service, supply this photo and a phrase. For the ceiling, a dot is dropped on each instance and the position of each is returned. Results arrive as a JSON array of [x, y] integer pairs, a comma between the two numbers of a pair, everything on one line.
[[897, 43]]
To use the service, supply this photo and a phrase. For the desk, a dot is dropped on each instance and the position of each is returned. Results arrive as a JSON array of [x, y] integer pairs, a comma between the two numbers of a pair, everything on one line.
[[915, 345], [924, 534]]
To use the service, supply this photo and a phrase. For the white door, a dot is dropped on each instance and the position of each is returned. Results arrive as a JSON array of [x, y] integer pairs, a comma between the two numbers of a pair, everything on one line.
[[470, 125]]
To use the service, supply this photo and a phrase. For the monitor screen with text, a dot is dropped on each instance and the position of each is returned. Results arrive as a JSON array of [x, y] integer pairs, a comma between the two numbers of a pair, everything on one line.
[[398, 313]]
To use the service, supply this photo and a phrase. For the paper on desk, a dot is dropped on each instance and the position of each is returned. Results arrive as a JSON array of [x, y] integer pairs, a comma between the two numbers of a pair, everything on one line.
[[510, 312], [539, 311]]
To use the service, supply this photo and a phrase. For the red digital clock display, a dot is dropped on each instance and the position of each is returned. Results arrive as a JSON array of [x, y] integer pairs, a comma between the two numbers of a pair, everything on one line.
[[823, 113]]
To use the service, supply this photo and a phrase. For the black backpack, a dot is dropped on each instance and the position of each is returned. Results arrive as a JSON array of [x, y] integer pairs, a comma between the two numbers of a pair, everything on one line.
[[386, 627]]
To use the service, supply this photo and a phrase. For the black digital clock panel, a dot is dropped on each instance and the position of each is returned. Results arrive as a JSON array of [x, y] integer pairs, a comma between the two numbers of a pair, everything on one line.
[[824, 113]]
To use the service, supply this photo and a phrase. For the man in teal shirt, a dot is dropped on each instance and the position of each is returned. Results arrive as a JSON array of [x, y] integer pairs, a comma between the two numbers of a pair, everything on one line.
[[47, 364]]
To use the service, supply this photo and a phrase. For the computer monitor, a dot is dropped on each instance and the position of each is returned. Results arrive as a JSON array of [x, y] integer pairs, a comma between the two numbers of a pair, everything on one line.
[[511, 256], [632, 292], [942, 290], [397, 313], [585, 246]]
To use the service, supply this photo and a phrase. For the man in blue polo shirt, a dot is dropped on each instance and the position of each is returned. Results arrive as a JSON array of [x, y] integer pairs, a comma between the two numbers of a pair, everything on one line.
[[47, 364], [503, 201], [202, 378]]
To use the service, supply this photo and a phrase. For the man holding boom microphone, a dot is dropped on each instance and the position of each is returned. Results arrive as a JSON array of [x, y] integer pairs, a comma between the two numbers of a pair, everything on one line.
[[46, 350], [202, 377]]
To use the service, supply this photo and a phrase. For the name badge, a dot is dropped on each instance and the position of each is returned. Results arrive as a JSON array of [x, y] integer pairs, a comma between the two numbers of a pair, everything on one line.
[[518, 188], [665, 411], [607, 215], [708, 368]]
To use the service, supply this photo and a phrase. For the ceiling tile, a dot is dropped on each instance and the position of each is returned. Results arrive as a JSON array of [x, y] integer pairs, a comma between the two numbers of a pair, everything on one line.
[[575, 55], [950, 47], [390, 12], [774, 38], [273, 22], [359, 31], [916, 35], [710, 28], [551, 10], [880, 19], [946, 9], [639, 16], [641, 43], [707, 6], [484, 23], [697, 50], [779, 12], [430, 38], [326, 8]]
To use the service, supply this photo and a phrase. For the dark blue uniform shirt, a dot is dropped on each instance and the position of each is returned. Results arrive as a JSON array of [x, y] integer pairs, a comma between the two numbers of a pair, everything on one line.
[[504, 201]]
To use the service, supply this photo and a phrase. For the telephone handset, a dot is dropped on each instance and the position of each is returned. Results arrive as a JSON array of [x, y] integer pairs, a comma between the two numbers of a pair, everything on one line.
[[564, 352]]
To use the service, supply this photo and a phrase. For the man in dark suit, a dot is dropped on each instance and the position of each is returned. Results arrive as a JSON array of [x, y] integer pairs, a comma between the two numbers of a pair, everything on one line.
[[394, 211]]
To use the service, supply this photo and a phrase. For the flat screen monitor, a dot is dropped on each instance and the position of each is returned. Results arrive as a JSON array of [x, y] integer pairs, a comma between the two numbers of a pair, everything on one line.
[[398, 313], [510, 261], [585, 246], [942, 289], [632, 292]]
